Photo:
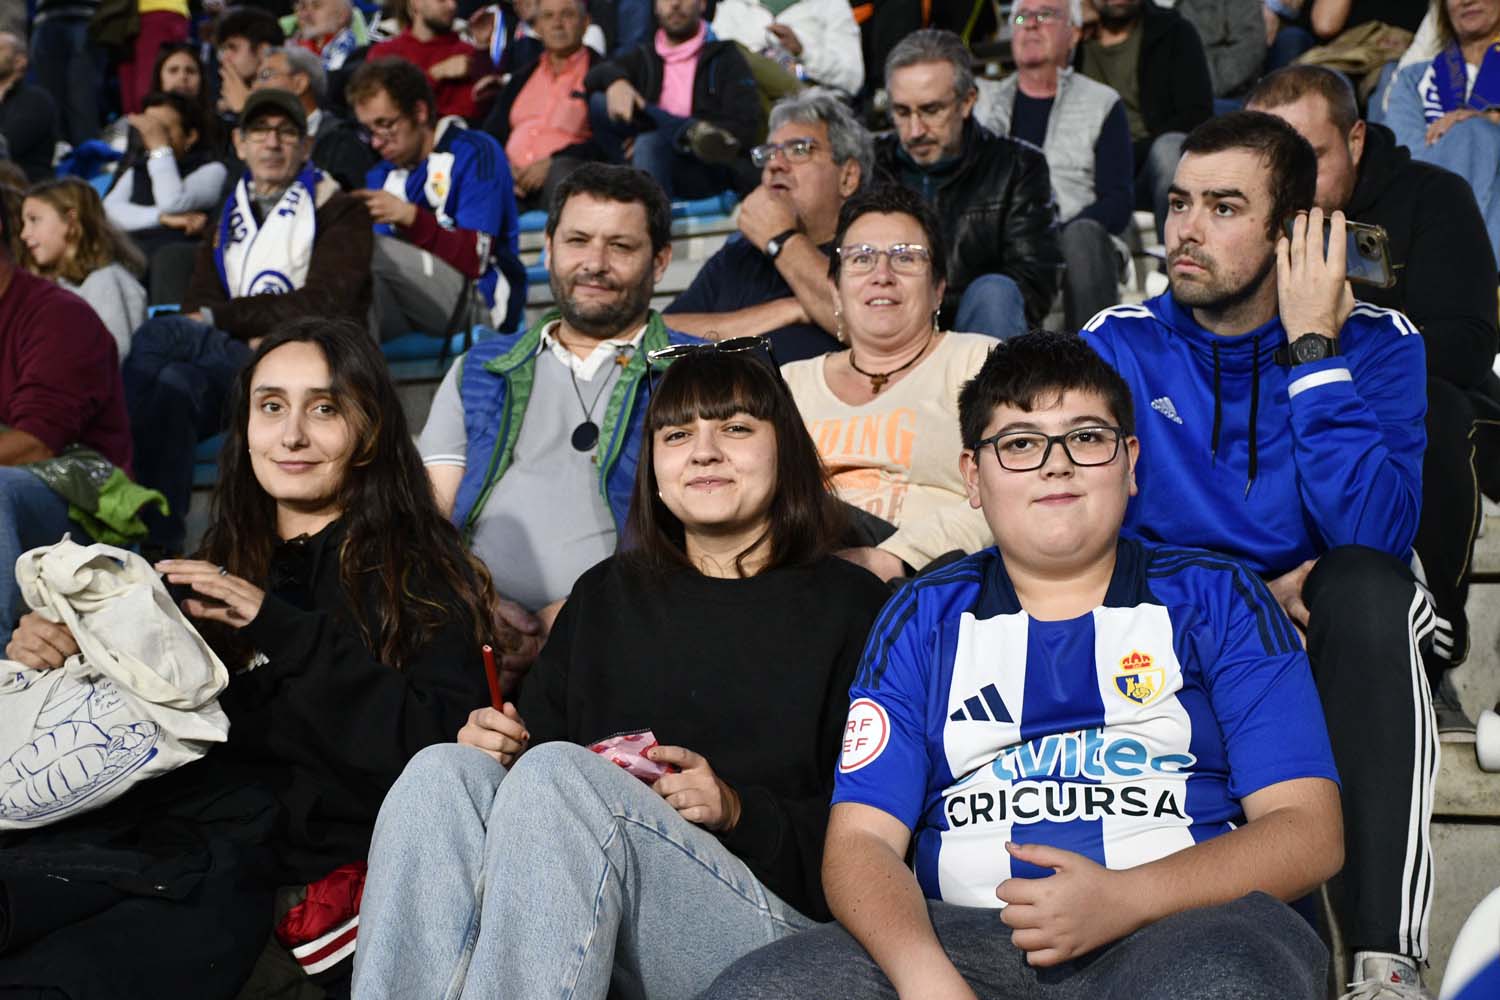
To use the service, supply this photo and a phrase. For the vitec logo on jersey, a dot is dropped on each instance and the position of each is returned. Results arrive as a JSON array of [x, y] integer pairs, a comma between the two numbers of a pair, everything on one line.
[[1138, 680], [866, 733]]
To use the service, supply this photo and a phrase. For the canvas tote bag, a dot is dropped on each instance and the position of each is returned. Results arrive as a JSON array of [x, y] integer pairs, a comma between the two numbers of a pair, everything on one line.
[[139, 698]]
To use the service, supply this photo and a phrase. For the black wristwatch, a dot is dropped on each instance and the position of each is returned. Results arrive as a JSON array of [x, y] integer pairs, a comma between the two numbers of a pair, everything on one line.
[[1306, 348], [777, 243]]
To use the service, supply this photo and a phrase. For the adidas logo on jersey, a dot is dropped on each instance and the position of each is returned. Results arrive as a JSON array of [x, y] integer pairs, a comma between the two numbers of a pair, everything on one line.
[[974, 707], [1163, 405]]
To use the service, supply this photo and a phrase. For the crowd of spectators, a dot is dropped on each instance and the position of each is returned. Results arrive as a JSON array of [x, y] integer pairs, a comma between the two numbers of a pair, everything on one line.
[[1142, 628]]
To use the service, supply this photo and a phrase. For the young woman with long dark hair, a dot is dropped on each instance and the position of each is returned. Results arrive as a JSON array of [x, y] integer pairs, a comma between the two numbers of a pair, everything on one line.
[[351, 619], [730, 632]]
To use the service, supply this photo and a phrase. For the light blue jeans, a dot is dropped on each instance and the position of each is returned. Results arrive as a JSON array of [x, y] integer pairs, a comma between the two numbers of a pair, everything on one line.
[[1471, 149], [992, 305], [556, 880], [30, 515]]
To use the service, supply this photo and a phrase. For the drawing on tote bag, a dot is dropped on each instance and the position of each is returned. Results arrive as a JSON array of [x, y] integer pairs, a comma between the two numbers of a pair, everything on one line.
[[75, 751]]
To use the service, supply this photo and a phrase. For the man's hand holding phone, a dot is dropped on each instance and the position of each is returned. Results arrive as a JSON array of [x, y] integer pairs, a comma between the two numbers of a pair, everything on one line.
[[1311, 287]]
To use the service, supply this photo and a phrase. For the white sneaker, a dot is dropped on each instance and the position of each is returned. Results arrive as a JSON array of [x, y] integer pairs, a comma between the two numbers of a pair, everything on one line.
[[1381, 976]]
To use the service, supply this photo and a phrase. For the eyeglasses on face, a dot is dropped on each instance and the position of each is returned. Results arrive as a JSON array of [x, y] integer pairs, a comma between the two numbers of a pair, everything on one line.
[[911, 259], [1042, 17], [931, 114], [381, 128], [1024, 451], [795, 151], [261, 132]]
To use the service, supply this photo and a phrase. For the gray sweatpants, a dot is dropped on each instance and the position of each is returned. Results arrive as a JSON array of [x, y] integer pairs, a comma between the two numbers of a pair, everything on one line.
[[1255, 948], [415, 290]]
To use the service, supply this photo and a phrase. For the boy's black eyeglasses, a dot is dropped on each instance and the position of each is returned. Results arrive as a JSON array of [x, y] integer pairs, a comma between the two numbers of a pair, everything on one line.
[[1023, 451]]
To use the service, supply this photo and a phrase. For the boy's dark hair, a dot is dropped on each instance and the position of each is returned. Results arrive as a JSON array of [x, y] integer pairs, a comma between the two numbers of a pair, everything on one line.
[[893, 199], [1293, 180], [252, 23], [611, 182], [1290, 84], [1033, 370], [188, 112], [406, 84]]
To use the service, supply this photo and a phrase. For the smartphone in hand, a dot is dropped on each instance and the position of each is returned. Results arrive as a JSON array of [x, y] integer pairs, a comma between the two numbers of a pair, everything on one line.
[[1367, 252]]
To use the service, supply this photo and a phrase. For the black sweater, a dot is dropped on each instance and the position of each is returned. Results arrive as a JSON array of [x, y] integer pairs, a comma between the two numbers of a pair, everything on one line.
[[328, 725], [752, 674], [1445, 270]]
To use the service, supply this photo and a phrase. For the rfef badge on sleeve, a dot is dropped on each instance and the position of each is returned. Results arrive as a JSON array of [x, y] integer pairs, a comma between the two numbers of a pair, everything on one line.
[[866, 732]]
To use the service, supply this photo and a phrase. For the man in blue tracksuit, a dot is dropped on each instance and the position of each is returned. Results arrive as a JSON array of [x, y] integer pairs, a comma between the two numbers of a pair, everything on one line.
[[1286, 429]]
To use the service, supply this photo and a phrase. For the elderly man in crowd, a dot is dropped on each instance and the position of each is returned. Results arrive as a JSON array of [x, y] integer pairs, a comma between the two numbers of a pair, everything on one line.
[[772, 277], [541, 115], [992, 194], [1080, 125], [337, 148]]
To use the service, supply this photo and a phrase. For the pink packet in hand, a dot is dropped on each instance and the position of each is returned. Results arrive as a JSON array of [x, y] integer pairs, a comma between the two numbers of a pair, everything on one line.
[[628, 750]]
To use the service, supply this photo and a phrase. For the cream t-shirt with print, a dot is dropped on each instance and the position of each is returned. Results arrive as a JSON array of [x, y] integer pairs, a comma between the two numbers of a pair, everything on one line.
[[897, 455]]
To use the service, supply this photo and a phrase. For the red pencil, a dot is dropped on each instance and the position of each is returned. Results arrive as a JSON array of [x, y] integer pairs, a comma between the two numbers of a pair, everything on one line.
[[494, 678]]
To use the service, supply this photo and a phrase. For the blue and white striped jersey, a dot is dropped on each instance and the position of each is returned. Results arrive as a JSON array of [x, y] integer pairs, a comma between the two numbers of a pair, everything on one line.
[[1125, 734]]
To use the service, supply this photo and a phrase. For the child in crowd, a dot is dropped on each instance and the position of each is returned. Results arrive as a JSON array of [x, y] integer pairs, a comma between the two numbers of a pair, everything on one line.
[[347, 655], [730, 632], [65, 236]]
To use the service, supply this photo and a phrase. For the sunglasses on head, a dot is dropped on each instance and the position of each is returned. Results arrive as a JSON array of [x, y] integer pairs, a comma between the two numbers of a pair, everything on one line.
[[663, 356]]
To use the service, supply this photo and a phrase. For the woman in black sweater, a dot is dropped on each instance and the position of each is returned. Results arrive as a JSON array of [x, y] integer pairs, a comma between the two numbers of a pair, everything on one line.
[[732, 634], [351, 620]]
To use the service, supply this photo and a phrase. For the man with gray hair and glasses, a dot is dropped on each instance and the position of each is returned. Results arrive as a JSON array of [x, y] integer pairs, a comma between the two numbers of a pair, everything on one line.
[[992, 194], [771, 277], [1080, 125], [337, 149]]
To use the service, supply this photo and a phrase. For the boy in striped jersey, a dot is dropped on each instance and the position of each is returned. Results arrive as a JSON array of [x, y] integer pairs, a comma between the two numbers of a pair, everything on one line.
[[1117, 744]]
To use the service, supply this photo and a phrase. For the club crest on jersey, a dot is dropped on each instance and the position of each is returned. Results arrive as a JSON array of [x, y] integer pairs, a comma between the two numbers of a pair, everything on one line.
[[1138, 680]]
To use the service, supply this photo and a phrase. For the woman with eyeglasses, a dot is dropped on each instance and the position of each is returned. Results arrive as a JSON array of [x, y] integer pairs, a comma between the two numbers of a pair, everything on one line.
[[731, 634], [884, 413]]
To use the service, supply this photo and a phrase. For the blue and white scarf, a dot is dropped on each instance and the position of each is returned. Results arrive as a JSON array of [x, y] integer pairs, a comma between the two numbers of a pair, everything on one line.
[[338, 49], [1451, 83], [270, 257]]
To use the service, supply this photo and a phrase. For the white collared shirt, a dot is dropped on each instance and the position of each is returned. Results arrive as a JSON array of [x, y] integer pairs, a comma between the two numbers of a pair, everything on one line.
[[606, 351]]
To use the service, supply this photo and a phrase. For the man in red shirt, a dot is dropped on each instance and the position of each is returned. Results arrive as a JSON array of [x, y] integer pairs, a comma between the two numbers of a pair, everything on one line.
[[59, 386], [452, 65]]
